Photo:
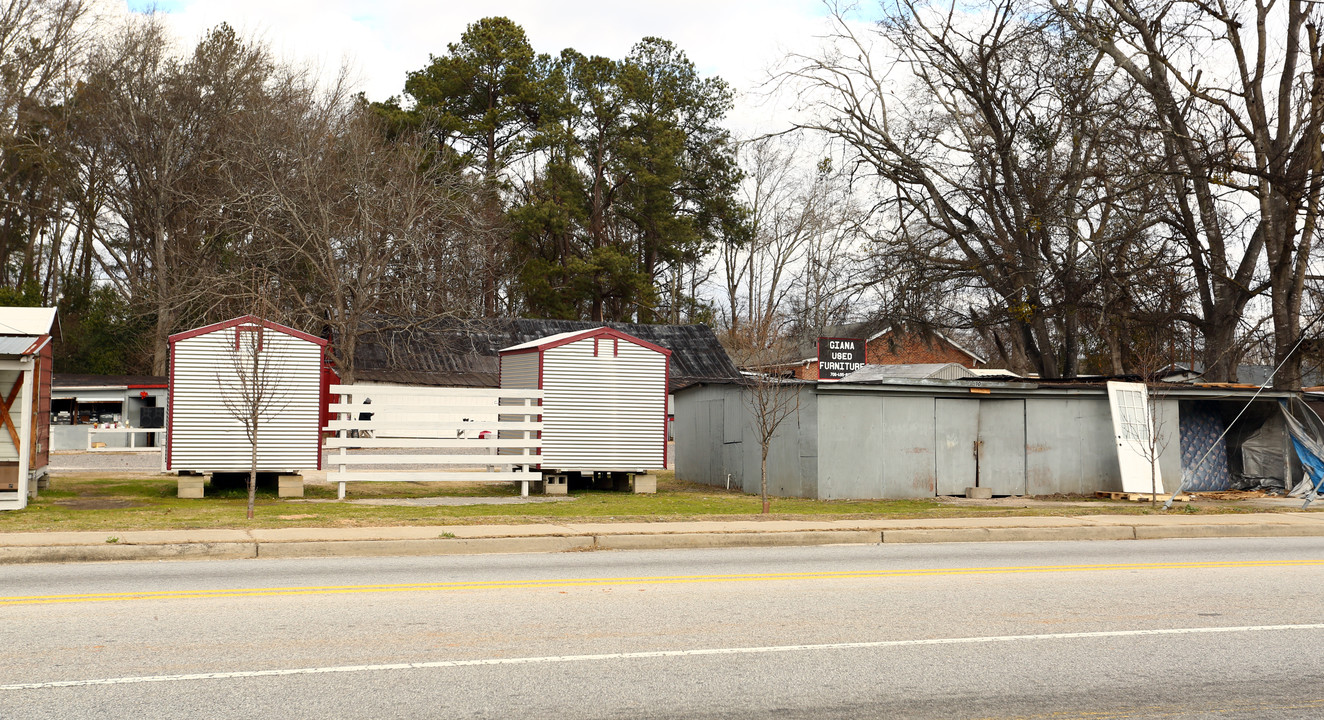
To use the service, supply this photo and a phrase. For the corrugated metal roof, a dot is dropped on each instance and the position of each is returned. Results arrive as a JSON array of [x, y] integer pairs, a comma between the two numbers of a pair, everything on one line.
[[1257, 375], [546, 340], [26, 320], [77, 380], [16, 344], [938, 371], [453, 352]]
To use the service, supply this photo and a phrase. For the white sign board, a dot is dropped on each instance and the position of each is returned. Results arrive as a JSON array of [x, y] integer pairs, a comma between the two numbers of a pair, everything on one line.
[[1133, 431]]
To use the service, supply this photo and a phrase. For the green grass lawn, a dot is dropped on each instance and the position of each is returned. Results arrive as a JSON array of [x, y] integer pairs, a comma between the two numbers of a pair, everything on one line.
[[149, 503]]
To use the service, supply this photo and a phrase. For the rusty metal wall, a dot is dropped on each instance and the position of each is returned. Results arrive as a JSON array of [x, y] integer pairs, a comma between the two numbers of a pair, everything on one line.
[[1002, 445], [872, 444], [715, 437], [1069, 445], [957, 428]]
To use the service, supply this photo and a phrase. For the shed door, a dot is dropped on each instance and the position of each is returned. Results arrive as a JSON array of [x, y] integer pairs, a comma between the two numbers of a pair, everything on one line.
[[980, 442], [1002, 446], [714, 456], [957, 428]]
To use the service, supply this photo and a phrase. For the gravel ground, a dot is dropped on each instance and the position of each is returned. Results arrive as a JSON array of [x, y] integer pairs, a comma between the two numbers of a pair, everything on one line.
[[111, 462]]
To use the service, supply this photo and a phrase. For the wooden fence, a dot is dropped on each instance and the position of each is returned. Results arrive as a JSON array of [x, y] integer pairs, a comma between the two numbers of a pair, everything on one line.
[[494, 432]]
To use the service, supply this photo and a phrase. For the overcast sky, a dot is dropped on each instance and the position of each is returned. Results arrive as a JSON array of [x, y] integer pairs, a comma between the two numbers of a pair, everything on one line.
[[735, 39]]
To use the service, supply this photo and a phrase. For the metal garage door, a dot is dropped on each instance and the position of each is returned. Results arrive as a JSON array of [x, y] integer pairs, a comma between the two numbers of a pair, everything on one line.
[[980, 443]]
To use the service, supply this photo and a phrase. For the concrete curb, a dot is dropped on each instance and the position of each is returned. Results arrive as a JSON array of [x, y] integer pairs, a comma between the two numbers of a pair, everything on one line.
[[1117, 532], [227, 545], [444, 546], [14, 555], [1164, 532], [738, 539]]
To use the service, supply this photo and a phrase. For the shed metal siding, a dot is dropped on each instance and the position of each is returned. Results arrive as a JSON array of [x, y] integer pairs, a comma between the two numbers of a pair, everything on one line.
[[715, 437], [41, 418], [605, 410], [206, 436], [957, 428], [1002, 445], [907, 439], [787, 459], [519, 371], [699, 420], [850, 456], [1063, 450]]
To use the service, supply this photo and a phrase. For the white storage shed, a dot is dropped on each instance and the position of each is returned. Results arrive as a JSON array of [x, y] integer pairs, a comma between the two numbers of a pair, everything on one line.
[[604, 399], [25, 402], [208, 370]]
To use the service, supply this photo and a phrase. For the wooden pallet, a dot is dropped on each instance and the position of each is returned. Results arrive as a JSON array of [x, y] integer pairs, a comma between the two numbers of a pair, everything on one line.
[[1141, 497]]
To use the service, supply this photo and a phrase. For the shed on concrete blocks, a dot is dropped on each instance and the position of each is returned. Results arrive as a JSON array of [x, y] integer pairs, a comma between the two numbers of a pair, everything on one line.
[[25, 402], [604, 399], [215, 369]]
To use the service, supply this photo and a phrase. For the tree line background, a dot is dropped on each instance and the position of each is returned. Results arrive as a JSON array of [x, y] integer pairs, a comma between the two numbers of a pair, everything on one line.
[[1072, 187]]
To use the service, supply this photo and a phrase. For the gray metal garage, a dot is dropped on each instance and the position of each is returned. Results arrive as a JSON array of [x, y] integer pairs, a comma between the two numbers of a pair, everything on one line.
[[916, 438]]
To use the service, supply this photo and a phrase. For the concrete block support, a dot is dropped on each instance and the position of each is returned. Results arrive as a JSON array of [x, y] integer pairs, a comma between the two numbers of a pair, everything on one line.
[[190, 486], [555, 485], [643, 484], [289, 486]]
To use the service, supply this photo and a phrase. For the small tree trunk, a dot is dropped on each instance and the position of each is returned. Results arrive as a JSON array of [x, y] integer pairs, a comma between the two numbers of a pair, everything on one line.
[[767, 506], [252, 469], [1153, 480], [253, 411]]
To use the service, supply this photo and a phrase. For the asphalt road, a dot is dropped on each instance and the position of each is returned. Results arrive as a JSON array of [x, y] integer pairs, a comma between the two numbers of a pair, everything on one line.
[[1147, 629]]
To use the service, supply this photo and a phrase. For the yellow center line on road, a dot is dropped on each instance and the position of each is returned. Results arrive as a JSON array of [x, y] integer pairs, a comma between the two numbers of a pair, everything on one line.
[[644, 580]]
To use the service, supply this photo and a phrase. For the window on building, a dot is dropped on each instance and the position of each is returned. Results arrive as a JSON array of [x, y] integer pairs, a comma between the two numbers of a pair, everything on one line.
[[71, 411]]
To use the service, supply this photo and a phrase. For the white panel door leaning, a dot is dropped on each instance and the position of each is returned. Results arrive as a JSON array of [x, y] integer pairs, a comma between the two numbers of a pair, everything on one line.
[[1133, 429]]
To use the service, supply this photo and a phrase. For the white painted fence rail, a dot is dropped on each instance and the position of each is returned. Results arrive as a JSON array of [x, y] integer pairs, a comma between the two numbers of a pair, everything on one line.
[[494, 429]]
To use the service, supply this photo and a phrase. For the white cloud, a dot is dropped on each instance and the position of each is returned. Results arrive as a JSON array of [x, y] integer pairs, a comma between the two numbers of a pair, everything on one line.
[[735, 39]]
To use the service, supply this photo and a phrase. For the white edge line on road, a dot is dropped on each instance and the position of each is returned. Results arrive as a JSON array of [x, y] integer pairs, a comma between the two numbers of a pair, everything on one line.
[[652, 654]]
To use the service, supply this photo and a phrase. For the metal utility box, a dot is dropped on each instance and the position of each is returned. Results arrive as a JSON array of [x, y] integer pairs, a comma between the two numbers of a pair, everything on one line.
[[604, 399], [207, 381]]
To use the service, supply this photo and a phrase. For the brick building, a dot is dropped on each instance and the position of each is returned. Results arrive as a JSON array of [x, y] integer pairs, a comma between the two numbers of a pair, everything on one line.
[[888, 347]]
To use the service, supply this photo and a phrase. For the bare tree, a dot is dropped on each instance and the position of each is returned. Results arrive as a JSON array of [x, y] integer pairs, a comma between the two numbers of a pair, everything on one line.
[[1241, 147], [771, 393], [166, 122], [346, 224], [253, 391], [1000, 164], [804, 233], [42, 43], [1152, 360]]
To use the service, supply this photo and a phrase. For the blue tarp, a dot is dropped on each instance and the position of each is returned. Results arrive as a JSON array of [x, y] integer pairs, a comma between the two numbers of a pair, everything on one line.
[[1307, 432], [1311, 463]]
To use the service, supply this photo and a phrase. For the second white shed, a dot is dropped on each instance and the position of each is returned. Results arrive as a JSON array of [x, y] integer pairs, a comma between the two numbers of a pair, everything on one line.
[[604, 399], [211, 366]]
